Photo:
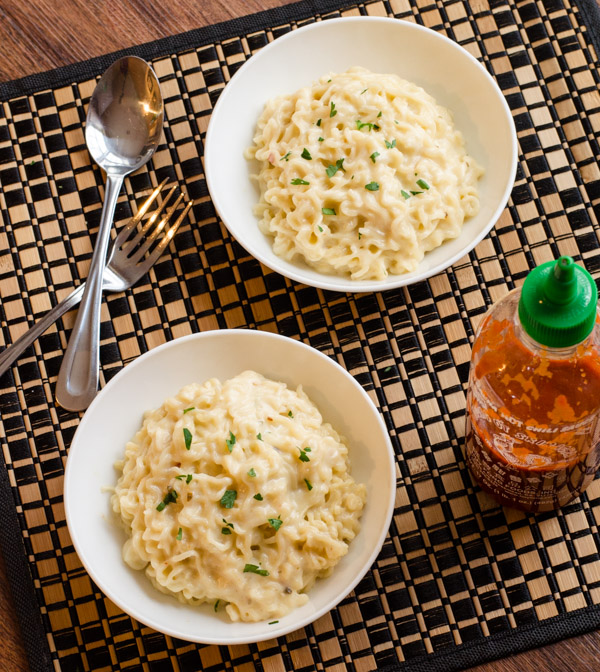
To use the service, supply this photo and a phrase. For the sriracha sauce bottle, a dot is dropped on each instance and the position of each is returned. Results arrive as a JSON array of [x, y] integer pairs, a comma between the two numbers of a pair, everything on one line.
[[533, 400]]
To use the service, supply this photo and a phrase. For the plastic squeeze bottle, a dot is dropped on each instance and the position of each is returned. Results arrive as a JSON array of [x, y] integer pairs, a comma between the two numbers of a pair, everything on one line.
[[533, 402]]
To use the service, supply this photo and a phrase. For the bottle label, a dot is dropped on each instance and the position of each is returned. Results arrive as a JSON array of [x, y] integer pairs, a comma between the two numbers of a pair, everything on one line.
[[535, 467]]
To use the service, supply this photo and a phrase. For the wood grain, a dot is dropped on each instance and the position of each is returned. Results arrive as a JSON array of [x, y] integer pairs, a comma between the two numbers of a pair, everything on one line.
[[40, 35]]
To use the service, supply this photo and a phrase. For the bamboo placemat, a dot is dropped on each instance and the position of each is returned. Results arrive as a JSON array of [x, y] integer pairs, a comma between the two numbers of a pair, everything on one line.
[[459, 580]]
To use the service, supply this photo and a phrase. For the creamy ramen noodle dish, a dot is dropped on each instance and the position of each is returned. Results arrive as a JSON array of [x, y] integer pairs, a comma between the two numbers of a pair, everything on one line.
[[361, 174], [238, 494]]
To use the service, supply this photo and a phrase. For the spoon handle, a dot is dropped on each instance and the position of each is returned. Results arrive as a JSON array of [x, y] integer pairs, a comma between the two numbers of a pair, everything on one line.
[[77, 382]]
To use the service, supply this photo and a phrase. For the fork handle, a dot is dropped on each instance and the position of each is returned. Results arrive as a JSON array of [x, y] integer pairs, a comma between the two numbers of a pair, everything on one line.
[[12, 352], [78, 377]]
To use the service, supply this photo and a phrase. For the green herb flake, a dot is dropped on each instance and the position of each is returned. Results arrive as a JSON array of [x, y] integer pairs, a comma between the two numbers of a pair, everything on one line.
[[258, 497], [359, 235], [303, 456], [275, 523], [230, 442], [405, 193], [225, 530], [328, 211], [188, 477], [332, 110], [179, 535], [273, 622], [169, 498], [321, 139], [286, 157], [252, 473], [217, 604], [390, 145], [227, 524], [318, 122], [306, 154], [187, 410], [372, 186], [259, 436], [332, 170], [423, 184], [361, 124], [228, 499], [187, 437], [414, 193], [254, 569], [308, 484], [363, 91], [320, 229], [32, 162], [290, 414], [298, 180], [374, 156], [380, 113]]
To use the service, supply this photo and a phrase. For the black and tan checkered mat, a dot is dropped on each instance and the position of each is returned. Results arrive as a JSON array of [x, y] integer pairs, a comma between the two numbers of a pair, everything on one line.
[[459, 580]]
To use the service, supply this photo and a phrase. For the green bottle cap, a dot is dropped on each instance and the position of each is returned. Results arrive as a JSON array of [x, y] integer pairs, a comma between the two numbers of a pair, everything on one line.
[[558, 303]]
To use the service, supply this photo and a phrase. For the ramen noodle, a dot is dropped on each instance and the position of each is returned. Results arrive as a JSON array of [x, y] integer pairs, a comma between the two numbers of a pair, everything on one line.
[[361, 174], [238, 494]]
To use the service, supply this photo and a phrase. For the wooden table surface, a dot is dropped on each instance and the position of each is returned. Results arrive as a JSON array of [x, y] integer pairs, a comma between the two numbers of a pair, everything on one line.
[[40, 35]]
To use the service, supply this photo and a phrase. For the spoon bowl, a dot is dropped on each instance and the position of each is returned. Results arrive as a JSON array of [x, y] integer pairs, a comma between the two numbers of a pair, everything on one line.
[[125, 115], [123, 129]]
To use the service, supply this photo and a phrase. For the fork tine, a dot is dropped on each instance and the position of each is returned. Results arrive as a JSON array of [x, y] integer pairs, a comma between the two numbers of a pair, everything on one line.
[[158, 250], [133, 222], [143, 248]]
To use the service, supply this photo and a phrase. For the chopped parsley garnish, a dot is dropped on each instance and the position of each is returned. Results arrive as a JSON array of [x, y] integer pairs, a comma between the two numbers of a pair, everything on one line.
[[228, 499], [332, 170], [321, 139], [320, 229], [169, 498], [188, 477], [373, 156], [414, 193], [258, 497], [328, 211], [318, 122], [275, 523], [363, 91], [380, 113], [306, 154], [303, 456], [361, 124], [273, 622], [179, 534], [187, 410], [228, 527], [290, 414], [252, 473], [332, 110], [286, 157], [259, 436], [298, 180], [217, 604], [423, 184], [187, 437], [254, 569], [390, 145], [405, 193], [372, 186], [359, 235], [230, 442], [308, 484]]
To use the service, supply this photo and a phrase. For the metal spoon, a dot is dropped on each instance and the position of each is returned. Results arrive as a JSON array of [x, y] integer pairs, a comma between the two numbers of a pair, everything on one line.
[[123, 128]]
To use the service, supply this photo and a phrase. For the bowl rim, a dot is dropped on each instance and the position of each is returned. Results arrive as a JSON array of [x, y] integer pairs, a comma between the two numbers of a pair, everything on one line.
[[288, 269], [229, 638]]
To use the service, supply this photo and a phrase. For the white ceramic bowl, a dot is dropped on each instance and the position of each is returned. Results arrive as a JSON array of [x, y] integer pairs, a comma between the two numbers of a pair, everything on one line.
[[116, 414], [439, 65]]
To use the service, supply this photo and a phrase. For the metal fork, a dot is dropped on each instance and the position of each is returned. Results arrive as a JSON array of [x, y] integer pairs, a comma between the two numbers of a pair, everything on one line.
[[126, 264]]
